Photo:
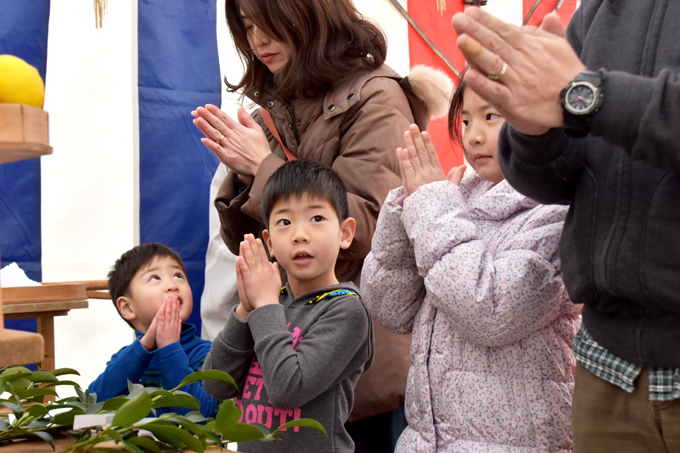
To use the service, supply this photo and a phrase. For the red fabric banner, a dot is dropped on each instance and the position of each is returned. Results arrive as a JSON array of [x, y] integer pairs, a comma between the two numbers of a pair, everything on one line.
[[437, 26]]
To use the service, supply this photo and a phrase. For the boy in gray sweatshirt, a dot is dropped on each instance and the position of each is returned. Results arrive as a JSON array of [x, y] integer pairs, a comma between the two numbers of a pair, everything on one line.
[[297, 351]]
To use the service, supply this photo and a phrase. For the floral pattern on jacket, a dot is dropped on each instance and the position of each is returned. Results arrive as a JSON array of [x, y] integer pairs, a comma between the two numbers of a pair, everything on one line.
[[474, 274]]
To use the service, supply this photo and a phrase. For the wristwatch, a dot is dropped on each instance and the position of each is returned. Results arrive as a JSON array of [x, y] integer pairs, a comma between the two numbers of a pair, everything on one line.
[[581, 99]]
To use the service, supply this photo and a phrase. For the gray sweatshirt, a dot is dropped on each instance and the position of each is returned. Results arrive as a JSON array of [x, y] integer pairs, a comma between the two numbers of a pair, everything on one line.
[[299, 359]]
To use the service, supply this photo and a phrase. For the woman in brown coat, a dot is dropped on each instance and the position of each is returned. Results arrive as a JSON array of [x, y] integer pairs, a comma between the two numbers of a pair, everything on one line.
[[316, 67]]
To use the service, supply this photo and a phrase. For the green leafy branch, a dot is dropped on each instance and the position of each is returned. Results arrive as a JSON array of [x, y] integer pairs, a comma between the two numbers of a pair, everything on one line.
[[129, 427]]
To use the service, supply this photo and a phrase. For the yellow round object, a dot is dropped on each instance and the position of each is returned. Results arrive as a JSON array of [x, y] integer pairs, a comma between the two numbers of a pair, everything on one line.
[[20, 83]]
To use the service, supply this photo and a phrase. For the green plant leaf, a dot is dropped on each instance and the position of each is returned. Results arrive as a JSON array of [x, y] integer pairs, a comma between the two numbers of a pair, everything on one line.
[[63, 371], [39, 423], [114, 403], [305, 422], [113, 434], [196, 417], [18, 381], [42, 377], [3, 385], [186, 401], [243, 433], [132, 448], [84, 396], [37, 410], [64, 418], [16, 409], [227, 416], [133, 410], [47, 437], [51, 407], [146, 443], [10, 387], [69, 383], [159, 392], [40, 391], [216, 375], [133, 388], [209, 435], [185, 437], [150, 390], [81, 394], [196, 430], [77, 404], [15, 370], [21, 393], [94, 408], [210, 426], [156, 422], [163, 434]]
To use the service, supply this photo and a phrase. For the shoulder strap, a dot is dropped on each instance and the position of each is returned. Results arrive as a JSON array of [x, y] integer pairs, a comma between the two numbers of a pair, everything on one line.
[[266, 116]]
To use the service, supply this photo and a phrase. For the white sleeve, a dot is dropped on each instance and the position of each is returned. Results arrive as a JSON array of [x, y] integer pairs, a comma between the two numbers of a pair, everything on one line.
[[219, 293]]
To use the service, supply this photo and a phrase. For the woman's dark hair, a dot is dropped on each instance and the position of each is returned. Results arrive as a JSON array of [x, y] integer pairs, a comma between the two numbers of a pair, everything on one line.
[[456, 113], [330, 40]]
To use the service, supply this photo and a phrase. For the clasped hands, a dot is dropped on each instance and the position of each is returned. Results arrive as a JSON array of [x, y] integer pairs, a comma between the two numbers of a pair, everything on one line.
[[419, 162], [240, 145], [257, 279], [166, 326]]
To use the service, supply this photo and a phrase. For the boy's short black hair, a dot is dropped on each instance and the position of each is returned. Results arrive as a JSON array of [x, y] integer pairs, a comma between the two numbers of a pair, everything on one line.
[[299, 177], [130, 262]]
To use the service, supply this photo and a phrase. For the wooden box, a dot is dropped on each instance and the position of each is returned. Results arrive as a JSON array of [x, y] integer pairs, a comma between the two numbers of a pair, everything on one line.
[[24, 132], [52, 292]]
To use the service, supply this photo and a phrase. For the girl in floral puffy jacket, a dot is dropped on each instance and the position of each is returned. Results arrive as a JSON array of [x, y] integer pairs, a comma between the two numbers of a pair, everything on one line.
[[470, 267]]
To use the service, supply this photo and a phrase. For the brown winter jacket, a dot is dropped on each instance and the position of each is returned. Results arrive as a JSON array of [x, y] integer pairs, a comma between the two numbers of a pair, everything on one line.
[[355, 129]]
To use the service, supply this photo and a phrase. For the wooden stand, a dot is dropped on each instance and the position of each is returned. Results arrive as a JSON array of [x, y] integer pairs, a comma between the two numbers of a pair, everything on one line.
[[44, 303], [17, 347], [24, 134]]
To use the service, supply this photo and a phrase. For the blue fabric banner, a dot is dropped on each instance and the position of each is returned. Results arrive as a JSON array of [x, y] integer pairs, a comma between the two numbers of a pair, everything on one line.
[[23, 33], [178, 71]]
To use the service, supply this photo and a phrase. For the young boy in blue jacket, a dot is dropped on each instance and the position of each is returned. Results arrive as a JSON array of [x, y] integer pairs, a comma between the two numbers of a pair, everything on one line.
[[149, 287]]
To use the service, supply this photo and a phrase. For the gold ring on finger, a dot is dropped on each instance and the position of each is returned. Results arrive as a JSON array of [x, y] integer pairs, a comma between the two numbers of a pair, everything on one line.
[[500, 73]]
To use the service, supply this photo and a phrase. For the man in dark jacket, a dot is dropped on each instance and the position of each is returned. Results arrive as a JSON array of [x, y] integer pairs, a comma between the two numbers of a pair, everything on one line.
[[593, 122]]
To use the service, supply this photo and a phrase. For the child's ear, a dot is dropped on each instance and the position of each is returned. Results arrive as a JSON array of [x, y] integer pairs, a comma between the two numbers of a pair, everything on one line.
[[125, 308], [268, 242], [347, 229]]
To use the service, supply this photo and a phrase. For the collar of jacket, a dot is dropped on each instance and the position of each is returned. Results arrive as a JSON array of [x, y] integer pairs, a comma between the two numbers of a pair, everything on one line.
[[340, 98]]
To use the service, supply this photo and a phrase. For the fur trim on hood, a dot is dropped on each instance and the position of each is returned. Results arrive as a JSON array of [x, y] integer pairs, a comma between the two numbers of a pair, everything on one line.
[[433, 88]]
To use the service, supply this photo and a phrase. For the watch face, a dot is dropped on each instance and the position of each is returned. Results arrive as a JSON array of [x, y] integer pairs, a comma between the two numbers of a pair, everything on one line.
[[580, 99]]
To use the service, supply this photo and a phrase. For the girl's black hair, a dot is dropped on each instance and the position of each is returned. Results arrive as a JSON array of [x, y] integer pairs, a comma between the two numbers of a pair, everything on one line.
[[455, 119]]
